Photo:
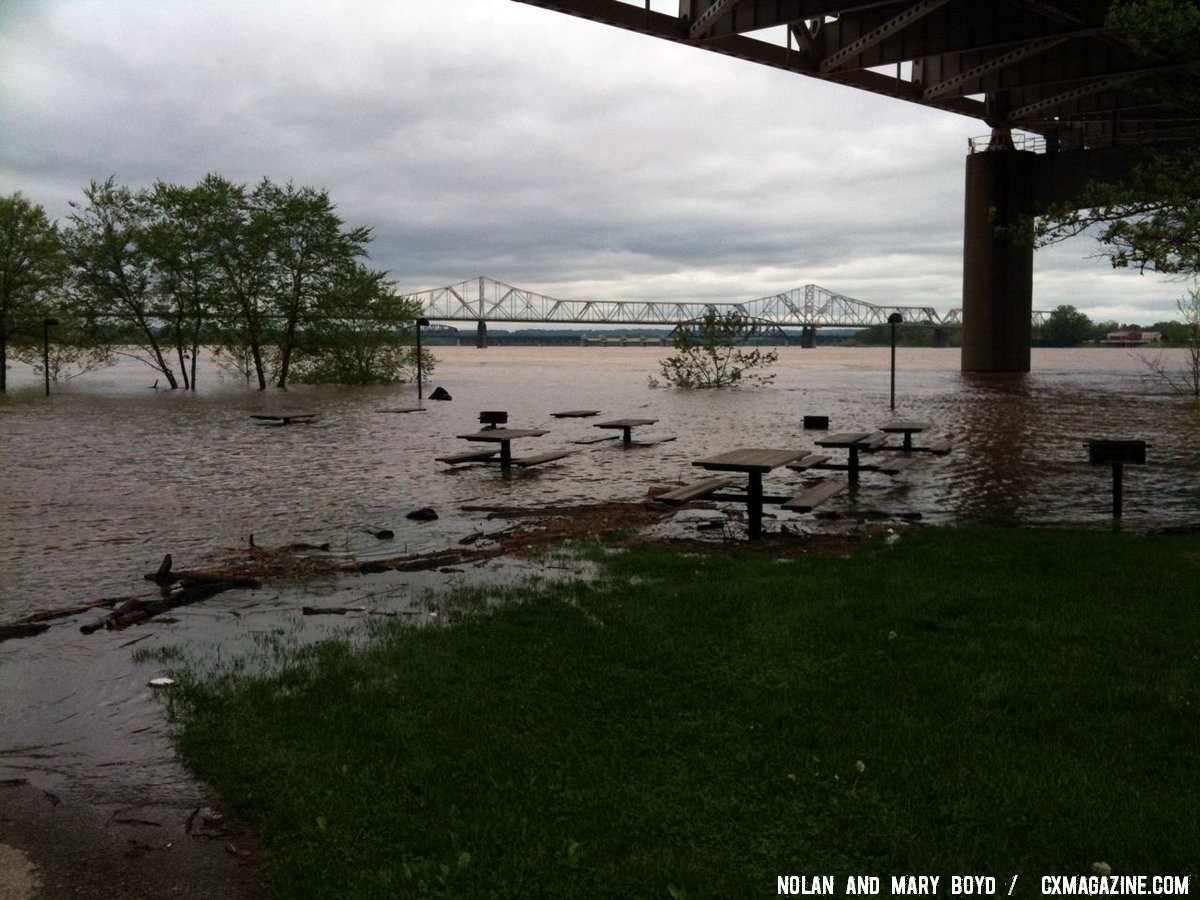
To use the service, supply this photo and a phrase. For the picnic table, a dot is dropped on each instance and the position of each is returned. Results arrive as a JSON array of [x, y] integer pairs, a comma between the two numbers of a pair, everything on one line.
[[854, 442], [907, 428], [753, 462], [504, 437], [626, 427]]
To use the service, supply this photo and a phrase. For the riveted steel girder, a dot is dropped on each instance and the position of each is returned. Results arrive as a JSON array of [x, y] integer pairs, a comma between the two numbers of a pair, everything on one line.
[[485, 299], [1050, 67]]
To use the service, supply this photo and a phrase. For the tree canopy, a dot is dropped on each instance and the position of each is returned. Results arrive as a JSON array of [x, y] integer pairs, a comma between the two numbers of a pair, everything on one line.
[[30, 267], [1151, 221], [270, 278], [708, 356], [1065, 327]]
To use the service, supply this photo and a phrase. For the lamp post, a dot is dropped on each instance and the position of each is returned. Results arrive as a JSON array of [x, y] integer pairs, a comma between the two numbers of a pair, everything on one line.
[[894, 319], [46, 323], [421, 323]]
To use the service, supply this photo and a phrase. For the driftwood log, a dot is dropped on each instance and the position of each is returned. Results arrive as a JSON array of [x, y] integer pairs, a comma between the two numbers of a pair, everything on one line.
[[194, 585]]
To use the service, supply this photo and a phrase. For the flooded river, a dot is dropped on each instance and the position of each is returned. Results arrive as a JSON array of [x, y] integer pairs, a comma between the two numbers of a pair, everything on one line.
[[105, 476], [100, 480]]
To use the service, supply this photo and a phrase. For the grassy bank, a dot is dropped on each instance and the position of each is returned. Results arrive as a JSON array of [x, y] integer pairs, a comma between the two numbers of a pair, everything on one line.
[[988, 702]]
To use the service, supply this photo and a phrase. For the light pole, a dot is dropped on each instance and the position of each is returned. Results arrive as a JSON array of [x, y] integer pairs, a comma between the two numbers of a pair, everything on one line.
[[421, 323], [46, 323], [894, 319]]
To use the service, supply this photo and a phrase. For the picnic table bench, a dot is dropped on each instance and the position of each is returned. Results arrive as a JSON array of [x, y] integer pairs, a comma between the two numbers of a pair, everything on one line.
[[455, 459], [537, 459], [695, 490], [576, 414], [813, 496], [808, 462], [284, 418]]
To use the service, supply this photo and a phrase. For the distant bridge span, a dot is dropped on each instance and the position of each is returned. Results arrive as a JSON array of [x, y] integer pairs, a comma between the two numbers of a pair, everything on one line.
[[485, 300]]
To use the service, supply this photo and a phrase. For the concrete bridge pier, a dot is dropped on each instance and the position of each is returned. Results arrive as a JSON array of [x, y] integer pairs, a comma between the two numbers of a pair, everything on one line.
[[997, 266], [481, 334], [808, 337], [941, 337]]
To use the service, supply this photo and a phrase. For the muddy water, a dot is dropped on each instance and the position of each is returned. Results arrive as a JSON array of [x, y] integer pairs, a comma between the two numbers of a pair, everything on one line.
[[98, 481]]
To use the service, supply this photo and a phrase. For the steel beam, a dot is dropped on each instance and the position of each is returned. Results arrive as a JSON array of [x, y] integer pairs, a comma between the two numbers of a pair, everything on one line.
[[878, 35]]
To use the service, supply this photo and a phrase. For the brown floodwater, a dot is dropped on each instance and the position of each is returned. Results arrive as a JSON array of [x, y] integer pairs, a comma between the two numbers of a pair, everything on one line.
[[100, 480]]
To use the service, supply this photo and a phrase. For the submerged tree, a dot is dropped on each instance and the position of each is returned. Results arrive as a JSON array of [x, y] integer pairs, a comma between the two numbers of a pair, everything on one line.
[[710, 354], [31, 265], [1184, 380], [360, 332], [310, 252], [114, 274], [268, 279]]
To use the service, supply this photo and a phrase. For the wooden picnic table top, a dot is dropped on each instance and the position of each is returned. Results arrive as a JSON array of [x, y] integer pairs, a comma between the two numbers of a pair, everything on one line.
[[905, 426], [624, 423], [749, 459], [502, 435], [846, 439]]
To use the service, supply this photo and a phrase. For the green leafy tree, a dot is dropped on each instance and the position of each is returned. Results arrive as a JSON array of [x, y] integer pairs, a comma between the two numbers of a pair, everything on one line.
[[179, 239], [31, 268], [240, 242], [310, 250], [360, 333], [249, 273], [114, 270], [1065, 327], [710, 355], [1151, 221]]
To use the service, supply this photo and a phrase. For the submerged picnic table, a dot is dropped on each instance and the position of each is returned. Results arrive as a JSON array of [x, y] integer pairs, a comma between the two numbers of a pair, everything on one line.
[[853, 441], [754, 462], [504, 437], [907, 428], [284, 418], [626, 427]]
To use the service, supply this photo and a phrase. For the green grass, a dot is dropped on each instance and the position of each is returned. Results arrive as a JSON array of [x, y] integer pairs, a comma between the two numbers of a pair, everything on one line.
[[1019, 701]]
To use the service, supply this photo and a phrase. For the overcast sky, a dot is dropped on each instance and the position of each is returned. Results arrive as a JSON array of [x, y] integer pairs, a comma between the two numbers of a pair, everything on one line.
[[486, 137]]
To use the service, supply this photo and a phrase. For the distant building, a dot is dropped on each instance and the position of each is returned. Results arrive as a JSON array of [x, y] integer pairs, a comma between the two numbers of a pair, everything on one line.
[[1131, 338]]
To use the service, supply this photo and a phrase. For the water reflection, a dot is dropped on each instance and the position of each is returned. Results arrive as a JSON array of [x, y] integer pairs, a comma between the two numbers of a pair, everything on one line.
[[995, 469]]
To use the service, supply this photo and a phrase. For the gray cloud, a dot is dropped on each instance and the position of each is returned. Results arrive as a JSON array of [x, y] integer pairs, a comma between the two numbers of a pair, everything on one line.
[[489, 137]]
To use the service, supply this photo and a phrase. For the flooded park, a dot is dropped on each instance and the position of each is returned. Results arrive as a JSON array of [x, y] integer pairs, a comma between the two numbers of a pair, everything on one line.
[[105, 476]]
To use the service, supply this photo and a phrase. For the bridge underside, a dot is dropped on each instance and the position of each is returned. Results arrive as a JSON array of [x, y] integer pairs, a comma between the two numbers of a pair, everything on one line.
[[1050, 68]]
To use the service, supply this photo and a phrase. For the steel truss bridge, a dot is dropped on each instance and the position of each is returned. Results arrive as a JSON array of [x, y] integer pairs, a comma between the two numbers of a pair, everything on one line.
[[811, 306]]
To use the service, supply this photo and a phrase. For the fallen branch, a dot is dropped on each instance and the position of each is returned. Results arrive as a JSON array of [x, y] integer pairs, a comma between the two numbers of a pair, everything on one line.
[[63, 612], [192, 589], [165, 576]]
